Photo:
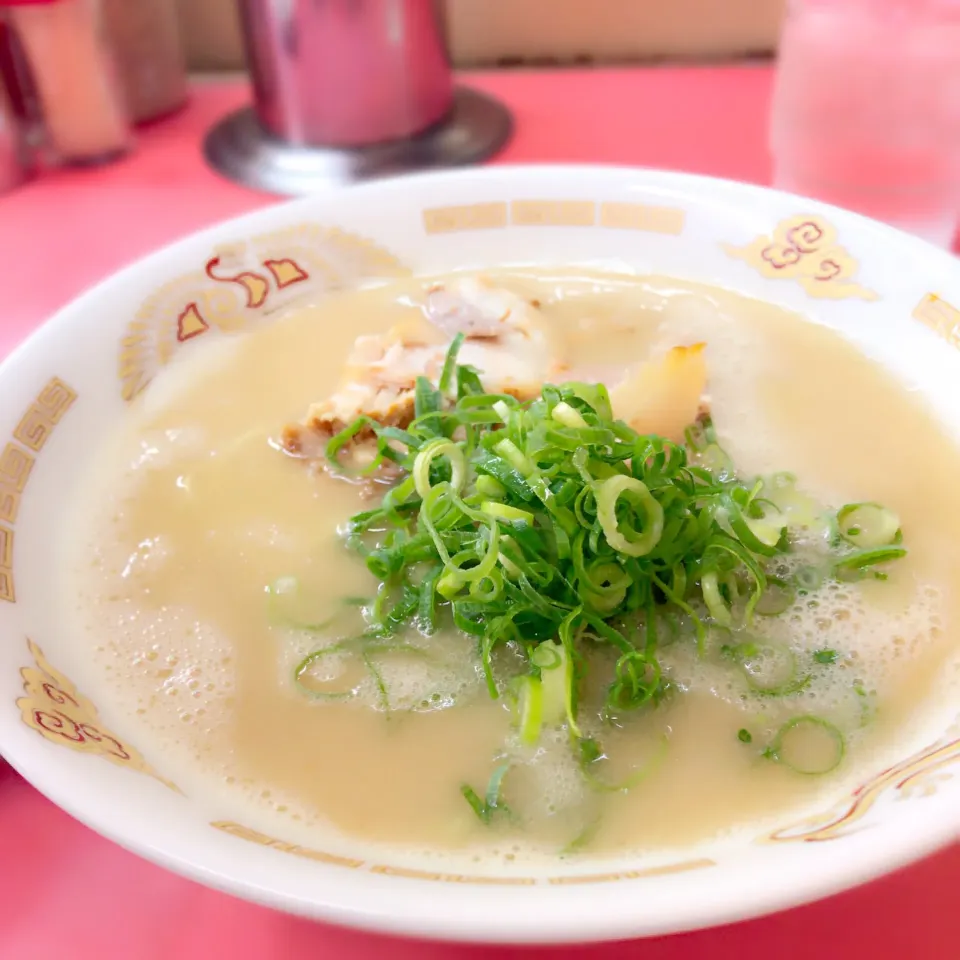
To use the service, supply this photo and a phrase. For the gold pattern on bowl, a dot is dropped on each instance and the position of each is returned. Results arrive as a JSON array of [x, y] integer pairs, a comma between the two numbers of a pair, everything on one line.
[[254, 836], [435, 877], [53, 706], [805, 248], [554, 213], [410, 873], [642, 216], [16, 463], [941, 317], [469, 216], [241, 284], [662, 870], [916, 777]]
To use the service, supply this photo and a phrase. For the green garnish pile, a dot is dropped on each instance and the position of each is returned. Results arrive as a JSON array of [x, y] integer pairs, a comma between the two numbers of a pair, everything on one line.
[[552, 526]]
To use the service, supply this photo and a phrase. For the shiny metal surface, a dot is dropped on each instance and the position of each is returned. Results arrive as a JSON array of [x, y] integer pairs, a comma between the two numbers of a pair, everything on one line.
[[242, 149], [346, 90], [347, 73]]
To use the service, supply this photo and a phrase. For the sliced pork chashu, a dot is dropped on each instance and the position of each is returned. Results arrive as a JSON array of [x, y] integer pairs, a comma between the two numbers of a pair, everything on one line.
[[506, 338], [509, 340]]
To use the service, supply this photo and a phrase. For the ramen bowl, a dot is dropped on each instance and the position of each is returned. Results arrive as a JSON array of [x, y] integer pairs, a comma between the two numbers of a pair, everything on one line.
[[892, 295]]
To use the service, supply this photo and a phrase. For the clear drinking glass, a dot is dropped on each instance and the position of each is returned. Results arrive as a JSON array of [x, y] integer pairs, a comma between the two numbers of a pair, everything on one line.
[[866, 110]]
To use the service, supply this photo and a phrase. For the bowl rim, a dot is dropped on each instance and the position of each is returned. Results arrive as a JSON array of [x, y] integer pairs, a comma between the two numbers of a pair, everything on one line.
[[609, 918]]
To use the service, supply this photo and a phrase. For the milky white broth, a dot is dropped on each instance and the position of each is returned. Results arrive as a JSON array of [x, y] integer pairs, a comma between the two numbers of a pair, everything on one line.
[[191, 512]]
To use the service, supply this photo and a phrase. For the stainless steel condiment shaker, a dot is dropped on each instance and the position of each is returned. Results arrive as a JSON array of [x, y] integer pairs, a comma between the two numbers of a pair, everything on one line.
[[347, 72], [349, 89]]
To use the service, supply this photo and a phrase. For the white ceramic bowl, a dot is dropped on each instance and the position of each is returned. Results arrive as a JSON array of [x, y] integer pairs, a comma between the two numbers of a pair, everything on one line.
[[64, 388]]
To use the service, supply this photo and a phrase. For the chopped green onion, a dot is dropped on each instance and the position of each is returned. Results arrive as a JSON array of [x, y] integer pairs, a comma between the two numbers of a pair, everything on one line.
[[429, 453], [638, 681], [744, 735], [868, 525], [710, 587], [857, 564], [510, 452], [808, 744], [623, 537], [769, 668], [592, 756], [366, 647], [556, 678], [582, 839], [808, 579], [320, 693], [759, 534], [568, 416], [531, 709], [468, 381], [427, 609], [492, 803], [778, 596], [450, 365], [769, 528], [490, 487], [570, 693], [502, 511], [342, 439], [476, 802], [426, 400], [543, 528], [282, 604]]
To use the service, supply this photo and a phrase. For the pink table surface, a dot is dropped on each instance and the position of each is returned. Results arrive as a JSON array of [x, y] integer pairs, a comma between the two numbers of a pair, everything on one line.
[[67, 893]]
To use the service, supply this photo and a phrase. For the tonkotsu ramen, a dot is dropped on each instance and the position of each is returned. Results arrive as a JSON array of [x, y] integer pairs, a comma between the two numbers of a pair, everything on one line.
[[520, 564]]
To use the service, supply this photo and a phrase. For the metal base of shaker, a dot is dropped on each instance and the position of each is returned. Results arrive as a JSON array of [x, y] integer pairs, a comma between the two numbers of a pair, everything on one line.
[[240, 149]]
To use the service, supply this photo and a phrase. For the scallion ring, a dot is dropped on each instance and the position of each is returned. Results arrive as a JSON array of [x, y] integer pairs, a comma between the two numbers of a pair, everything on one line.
[[769, 668], [777, 596], [868, 525], [440, 447], [790, 749], [623, 537]]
